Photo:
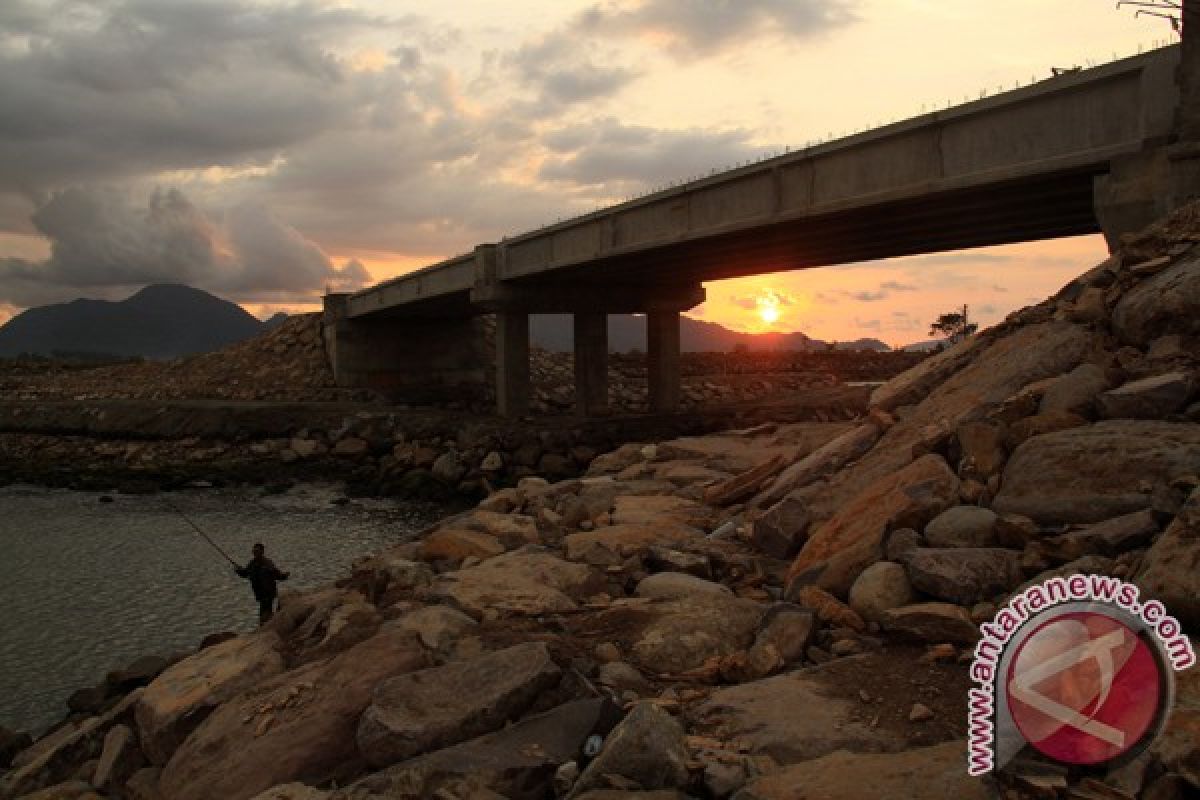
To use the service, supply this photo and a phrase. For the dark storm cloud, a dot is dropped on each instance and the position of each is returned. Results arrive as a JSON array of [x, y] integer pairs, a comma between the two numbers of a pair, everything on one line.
[[115, 90], [696, 28], [608, 150], [102, 240]]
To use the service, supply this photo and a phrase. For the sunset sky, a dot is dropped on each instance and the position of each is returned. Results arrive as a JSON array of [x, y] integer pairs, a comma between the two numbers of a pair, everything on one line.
[[266, 150]]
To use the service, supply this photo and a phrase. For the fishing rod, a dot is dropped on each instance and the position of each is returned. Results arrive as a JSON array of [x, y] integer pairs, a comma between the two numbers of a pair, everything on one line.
[[196, 528]]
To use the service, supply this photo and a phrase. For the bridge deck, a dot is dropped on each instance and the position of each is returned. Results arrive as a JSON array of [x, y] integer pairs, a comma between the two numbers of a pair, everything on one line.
[[1016, 166]]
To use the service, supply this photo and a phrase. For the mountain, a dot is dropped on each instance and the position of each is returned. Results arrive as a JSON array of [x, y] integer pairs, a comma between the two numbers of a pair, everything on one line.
[[628, 332], [275, 320], [159, 322], [863, 344]]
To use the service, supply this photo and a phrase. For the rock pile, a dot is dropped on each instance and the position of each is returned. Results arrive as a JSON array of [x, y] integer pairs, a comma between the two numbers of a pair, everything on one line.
[[288, 364], [776, 612]]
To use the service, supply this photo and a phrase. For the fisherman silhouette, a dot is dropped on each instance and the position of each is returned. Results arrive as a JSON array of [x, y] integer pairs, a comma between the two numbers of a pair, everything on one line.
[[262, 574]]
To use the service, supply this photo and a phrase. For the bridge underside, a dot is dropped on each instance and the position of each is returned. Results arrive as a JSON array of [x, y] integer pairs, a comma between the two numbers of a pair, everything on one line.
[[1030, 209], [1076, 154]]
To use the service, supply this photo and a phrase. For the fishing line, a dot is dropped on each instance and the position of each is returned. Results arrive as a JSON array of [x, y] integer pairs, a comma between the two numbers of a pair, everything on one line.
[[196, 528]]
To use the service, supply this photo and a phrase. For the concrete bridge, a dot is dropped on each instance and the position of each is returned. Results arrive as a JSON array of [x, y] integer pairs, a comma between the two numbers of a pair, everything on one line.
[[1094, 150]]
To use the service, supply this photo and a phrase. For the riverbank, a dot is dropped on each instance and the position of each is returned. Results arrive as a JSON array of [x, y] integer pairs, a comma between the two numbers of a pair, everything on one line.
[[779, 611]]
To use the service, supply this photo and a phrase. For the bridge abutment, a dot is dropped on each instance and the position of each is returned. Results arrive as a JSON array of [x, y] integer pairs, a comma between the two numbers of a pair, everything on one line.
[[405, 358]]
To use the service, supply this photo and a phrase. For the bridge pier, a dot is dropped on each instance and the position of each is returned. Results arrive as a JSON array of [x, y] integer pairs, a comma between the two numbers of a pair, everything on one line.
[[663, 377], [591, 363], [512, 363]]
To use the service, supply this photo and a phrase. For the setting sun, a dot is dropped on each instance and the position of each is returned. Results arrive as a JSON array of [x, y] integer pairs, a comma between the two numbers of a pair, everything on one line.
[[769, 311]]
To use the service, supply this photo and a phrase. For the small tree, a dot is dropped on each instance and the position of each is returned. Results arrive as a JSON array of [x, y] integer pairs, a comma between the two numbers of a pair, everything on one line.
[[955, 326]]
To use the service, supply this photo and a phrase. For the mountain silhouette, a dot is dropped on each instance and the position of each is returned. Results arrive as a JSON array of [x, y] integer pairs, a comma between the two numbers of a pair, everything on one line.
[[161, 321]]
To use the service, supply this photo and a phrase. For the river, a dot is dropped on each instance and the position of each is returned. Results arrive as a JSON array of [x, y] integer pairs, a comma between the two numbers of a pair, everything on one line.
[[90, 581]]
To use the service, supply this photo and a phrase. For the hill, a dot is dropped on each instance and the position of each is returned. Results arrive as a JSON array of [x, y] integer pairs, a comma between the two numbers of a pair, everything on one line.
[[161, 321]]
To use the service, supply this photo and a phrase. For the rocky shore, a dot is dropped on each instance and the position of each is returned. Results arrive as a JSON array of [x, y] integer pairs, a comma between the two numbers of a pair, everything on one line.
[[779, 611], [266, 412]]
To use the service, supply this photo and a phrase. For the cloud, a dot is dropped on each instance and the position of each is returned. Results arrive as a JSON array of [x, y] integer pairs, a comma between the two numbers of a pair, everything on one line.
[[694, 29], [770, 297], [896, 286], [868, 324], [865, 296], [102, 241], [137, 87], [563, 71], [608, 150]]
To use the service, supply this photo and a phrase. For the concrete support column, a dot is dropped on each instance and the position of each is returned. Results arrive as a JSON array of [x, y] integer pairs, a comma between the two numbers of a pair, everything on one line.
[[1187, 122], [662, 359], [591, 363], [512, 363]]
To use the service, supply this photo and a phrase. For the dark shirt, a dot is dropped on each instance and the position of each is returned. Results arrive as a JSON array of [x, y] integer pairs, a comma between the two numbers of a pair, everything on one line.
[[262, 573]]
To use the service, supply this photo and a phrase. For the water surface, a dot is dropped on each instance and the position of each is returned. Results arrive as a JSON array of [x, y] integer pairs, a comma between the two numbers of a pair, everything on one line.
[[87, 586]]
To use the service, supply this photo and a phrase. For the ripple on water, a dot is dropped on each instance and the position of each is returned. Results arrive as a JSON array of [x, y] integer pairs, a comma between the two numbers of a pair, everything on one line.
[[87, 586]]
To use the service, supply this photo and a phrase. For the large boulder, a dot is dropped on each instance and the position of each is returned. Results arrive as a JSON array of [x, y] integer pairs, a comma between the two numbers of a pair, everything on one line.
[[517, 762], [647, 748], [682, 633], [962, 526], [1000, 364], [511, 530], [1109, 538], [298, 726], [1167, 303], [456, 544], [1178, 748], [781, 529], [828, 458], [56, 757], [880, 587], [1170, 570], [1075, 392], [612, 544], [1101, 471], [931, 623], [792, 717], [688, 632], [963, 575], [914, 385], [178, 700], [928, 773], [433, 708], [850, 541], [517, 583], [676, 586], [437, 627], [659, 509], [1149, 398]]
